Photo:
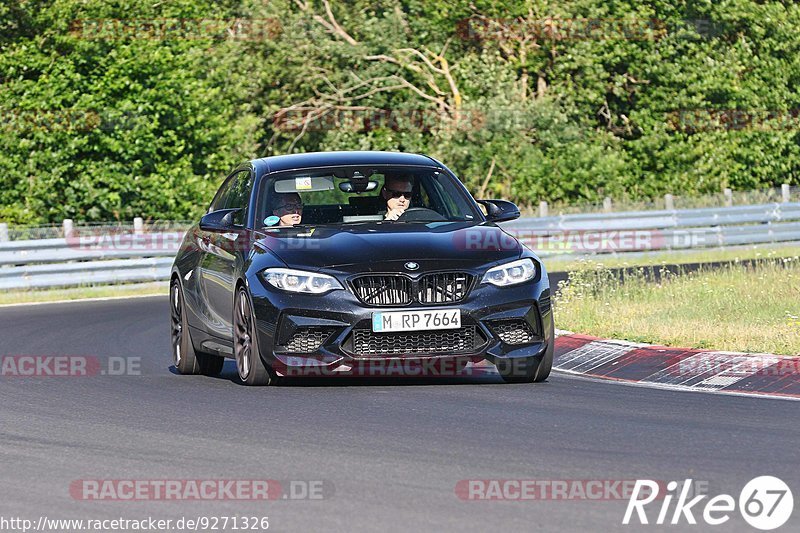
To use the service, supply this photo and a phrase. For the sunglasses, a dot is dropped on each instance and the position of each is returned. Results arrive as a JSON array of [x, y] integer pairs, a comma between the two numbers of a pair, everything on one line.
[[397, 194], [290, 208]]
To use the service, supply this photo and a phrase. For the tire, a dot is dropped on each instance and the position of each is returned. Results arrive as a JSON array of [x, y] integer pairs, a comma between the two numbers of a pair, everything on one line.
[[534, 369], [252, 370], [186, 359]]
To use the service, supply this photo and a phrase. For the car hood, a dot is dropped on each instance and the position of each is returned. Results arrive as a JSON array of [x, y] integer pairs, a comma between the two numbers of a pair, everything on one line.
[[375, 245]]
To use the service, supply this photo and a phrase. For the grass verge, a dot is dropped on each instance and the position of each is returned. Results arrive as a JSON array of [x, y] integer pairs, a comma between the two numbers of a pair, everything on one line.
[[82, 293], [736, 308], [771, 251]]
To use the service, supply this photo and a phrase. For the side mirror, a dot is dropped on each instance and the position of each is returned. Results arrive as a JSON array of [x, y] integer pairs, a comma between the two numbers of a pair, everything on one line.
[[221, 220], [499, 210]]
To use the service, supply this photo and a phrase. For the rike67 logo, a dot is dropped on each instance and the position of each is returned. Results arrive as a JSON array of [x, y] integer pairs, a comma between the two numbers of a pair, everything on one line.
[[765, 503]]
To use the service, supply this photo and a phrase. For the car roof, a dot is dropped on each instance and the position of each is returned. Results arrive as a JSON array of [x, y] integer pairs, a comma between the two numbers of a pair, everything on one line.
[[280, 163]]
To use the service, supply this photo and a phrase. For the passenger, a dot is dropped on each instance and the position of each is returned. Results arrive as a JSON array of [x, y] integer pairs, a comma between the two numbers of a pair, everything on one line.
[[288, 207]]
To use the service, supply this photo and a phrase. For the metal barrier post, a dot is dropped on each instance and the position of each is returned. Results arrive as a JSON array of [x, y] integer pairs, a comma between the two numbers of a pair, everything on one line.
[[544, 210]]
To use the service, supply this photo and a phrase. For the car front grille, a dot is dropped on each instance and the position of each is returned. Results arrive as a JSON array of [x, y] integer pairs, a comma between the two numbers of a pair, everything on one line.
[[396, 289], [305, 340], [466, 339], [446, 287], [383, 290], [514, 331]]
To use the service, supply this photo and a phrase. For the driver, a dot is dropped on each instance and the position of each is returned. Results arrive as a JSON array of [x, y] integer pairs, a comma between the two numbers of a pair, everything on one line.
[[396, 192], [288, 207]]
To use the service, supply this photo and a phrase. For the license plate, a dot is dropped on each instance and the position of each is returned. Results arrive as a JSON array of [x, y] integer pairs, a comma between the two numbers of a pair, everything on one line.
[[416, 320]]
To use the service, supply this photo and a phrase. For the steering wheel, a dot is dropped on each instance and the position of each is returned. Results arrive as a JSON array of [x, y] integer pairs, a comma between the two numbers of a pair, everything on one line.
[[419, 214]]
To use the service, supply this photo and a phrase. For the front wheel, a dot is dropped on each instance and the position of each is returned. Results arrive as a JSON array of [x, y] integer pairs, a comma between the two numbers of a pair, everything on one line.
[[252, 370]]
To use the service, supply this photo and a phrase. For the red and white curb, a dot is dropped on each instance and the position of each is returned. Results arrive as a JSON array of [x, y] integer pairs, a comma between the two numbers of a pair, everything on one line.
[[765, 375]]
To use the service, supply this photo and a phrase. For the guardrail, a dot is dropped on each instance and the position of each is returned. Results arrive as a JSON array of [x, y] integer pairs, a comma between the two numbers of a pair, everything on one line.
[[94, 258], [86, 273], [102, 256], [712, 216], [637, 231]]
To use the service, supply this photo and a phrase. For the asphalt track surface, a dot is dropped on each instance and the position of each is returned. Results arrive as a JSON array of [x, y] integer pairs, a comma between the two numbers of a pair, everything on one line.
[[393, 450]]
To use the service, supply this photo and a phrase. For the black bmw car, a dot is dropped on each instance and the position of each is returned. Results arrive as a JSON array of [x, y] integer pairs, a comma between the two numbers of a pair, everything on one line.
[[343, 263]]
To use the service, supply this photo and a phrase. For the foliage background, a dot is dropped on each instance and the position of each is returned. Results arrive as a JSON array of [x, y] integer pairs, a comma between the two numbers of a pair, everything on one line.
[[112, 125]]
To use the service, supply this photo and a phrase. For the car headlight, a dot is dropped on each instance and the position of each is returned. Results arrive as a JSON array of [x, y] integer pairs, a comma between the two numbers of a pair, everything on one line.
[[291, 280], [511, 273]]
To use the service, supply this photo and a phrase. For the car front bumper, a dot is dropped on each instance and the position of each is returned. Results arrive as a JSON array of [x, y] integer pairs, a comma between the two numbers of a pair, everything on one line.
[[331, 334]]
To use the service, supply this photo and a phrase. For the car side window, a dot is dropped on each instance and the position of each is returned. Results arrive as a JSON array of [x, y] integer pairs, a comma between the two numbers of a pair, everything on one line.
[[239, 196], [222, 195], [424, 199], [234, 193], [436, 200]]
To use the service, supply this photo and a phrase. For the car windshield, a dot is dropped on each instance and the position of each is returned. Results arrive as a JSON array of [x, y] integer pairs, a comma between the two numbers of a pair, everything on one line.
[[350, 195]]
